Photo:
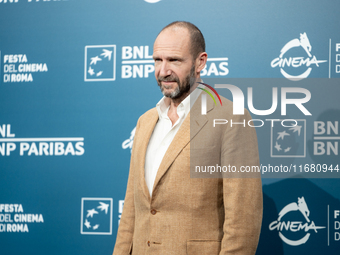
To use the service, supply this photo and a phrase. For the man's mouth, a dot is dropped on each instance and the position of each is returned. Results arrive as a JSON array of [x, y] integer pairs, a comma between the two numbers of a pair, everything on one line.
[[168, 84]]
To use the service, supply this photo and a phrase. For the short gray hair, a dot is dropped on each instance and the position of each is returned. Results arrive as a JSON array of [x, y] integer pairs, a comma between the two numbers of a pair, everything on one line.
[[197, 42]]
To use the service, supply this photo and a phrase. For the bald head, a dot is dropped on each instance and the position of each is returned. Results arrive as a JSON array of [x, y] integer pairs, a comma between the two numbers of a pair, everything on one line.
[[197, 43], [179, 59]]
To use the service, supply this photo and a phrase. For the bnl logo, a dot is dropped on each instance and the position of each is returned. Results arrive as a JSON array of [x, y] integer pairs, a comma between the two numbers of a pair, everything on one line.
[[326, 134], [100, 63], [96, 216], [288, 141]]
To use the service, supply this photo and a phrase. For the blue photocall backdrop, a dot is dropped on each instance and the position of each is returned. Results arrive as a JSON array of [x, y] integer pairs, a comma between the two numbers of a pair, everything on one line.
[[75, 75]]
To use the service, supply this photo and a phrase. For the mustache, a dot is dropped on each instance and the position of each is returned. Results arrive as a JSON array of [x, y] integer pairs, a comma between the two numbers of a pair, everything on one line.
[[171, 78]]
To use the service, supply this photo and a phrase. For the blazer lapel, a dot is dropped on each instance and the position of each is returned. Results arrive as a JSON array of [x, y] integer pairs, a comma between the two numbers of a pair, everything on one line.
[[145, 135], [198, 120], [192, 124]]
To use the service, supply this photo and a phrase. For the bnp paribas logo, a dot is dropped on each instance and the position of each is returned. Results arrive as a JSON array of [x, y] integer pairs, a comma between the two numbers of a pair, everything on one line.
[[295, 60], [100, 63], [96, 216]]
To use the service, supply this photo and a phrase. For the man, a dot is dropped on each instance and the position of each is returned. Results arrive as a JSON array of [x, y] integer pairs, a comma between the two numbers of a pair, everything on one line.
[[165, 210]]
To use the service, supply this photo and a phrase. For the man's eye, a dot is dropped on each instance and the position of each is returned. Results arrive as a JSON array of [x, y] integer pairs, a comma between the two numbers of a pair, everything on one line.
[[174, 60]]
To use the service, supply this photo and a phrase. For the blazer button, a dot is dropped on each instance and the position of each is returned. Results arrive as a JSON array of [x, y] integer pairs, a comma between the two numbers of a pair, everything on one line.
[[153, 211], [149, 243]]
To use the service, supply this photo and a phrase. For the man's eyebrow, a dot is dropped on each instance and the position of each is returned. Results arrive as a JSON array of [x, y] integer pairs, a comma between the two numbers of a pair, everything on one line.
[[168, 58]]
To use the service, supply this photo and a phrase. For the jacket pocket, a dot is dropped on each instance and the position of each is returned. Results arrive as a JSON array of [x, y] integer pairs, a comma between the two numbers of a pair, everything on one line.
[[203, 247]]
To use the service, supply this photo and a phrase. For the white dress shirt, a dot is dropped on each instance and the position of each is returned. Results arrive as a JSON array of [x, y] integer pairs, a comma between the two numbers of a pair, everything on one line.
[[163, 134]]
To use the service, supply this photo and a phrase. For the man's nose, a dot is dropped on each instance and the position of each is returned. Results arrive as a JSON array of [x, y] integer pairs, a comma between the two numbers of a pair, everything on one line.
[[164, 69]]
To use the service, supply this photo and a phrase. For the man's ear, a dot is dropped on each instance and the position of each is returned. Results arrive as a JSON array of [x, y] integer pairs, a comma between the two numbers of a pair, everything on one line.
[[201, 61]]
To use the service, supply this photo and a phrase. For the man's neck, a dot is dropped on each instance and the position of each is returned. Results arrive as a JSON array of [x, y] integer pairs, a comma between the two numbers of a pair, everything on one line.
[[174, 103]]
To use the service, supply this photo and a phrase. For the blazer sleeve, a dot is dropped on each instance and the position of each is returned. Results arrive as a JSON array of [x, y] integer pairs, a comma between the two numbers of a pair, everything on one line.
[[242, 194], [125, 232]]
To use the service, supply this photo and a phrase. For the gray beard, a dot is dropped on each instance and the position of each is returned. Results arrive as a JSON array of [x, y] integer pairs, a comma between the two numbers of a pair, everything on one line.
[[182, 88]]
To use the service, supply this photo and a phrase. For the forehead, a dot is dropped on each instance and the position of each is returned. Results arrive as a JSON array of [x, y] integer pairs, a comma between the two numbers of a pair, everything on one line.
[[172, 41]]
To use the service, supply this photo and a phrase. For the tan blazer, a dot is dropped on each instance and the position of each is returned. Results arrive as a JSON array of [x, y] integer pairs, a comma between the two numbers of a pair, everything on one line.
[[193, 215]]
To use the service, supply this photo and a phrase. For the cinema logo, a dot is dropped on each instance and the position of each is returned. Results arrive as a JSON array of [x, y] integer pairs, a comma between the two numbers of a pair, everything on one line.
[[55, 146], [296, 62], [17, 68], [337, 58], [13, 219], [302, 227]]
